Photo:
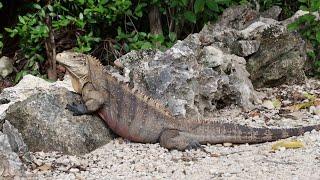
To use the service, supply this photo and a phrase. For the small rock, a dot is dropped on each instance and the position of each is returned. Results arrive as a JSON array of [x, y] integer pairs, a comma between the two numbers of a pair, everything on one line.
[[38, 162], [6, 66], [317, 110], [268, 104], [282, 148], [74, 170], [227, 144], [312, 109], [79, 177], [297, 115], [45, 167]]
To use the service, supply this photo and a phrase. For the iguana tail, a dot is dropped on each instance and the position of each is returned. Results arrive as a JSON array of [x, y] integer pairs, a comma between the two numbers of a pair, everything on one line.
[[215, 133]]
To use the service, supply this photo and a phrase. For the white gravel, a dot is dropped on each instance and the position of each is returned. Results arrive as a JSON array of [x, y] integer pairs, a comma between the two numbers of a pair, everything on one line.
[[124, 160]]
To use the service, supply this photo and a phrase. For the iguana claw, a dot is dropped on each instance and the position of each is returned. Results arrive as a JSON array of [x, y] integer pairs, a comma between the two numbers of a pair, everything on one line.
[[77, 109], [194, 145]]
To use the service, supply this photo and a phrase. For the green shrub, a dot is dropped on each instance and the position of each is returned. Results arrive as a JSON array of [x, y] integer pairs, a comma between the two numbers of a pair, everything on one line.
[[309, 28], [83, 16]]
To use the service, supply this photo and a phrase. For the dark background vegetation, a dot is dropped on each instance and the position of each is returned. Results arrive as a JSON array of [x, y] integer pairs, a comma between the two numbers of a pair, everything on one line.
[[32, 32]]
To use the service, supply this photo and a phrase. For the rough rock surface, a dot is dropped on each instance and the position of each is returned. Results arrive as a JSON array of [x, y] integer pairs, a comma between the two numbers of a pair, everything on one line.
[[27, 87], [16, 142], [206, 71], [40, 116], [191, 80], [274, 55], [10, 165]]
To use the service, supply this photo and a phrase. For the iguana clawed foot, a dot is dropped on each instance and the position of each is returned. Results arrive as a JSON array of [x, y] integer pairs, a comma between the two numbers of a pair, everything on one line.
[[175, 139], [194, 145], [4, 101], [77, 109]]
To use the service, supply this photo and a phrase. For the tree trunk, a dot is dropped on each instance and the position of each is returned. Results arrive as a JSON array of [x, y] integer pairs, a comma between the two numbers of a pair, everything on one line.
[[51, 51], [155, 20]]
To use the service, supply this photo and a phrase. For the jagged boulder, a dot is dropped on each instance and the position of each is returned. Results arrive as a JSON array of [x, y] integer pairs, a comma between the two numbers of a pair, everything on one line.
[[274, 55], [44, 123], [192, 80], [210, 69]]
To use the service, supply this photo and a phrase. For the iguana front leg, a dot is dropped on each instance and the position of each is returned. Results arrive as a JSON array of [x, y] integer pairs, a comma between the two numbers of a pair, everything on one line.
[[92, 100]]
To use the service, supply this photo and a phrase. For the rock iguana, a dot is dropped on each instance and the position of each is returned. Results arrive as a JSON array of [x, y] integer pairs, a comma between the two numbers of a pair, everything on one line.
[[139, 118]]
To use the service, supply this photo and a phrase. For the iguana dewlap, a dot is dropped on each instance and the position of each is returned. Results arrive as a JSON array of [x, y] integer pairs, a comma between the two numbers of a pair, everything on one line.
[[138, 118]]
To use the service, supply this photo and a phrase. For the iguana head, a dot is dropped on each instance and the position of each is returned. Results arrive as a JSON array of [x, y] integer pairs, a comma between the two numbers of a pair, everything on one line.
[[76, 64]]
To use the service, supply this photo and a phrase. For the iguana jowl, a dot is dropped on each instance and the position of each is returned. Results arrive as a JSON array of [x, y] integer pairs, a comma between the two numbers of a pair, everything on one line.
[[138, 118]]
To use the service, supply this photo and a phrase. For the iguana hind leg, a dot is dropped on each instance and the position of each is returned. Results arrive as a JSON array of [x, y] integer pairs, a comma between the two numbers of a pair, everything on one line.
[[175, 139]]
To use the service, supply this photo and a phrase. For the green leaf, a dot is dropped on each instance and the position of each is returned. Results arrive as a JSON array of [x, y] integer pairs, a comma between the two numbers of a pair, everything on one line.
[[31, 63], [185, 2], [212, 5], [8, 30], [81, 16], [311, 54], [42, 13], [158, 38], [12, 32], [21, 20], [20, 75], [172, 36], [37, 6], [139, 9], [1, 5], [50, 8], [146, 45], [102, 2], [318, 37], [52, 14], [199, 6], [293, 26], [303, 7], [190, 16], [81, 2]]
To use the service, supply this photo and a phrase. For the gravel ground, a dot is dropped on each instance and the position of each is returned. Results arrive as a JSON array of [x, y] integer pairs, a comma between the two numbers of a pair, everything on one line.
[[121, 159]]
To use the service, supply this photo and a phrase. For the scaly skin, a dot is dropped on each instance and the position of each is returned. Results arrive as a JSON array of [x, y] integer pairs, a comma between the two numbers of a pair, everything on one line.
[[138, 118]]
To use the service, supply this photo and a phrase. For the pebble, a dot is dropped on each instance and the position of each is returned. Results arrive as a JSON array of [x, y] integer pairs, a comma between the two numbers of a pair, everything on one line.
[[74, 170], [268, 104], [227, 144]]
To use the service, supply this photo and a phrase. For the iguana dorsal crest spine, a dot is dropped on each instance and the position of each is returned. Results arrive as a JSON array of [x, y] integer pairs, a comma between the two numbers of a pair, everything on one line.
[[134, 91]]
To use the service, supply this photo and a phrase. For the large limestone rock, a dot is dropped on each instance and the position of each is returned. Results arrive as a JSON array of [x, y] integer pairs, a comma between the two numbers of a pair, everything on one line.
[[37, 110], [192, 80], [208, 70], [274, 55]]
